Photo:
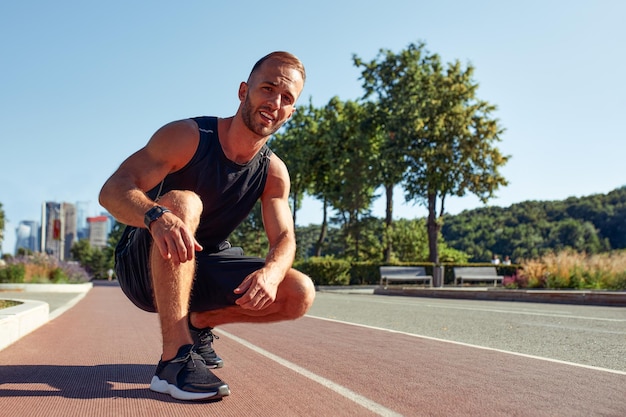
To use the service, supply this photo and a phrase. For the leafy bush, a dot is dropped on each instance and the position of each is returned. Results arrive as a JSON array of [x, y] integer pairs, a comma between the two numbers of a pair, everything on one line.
[[41, 268], [326, 270], [12, 273], [57, 276], [364, 273]]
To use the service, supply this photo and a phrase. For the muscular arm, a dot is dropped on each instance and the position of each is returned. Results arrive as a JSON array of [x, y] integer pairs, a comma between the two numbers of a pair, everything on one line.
[[124, 193], [278, 220], [261, 286], [169, 149]]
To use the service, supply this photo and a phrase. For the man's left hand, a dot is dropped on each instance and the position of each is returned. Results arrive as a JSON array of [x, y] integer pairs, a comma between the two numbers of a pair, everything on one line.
[[258, 289]]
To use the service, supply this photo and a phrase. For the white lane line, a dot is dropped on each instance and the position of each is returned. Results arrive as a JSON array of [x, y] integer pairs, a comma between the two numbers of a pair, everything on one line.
[[529, 313], [524, 355], [503, 311], [339, 389]]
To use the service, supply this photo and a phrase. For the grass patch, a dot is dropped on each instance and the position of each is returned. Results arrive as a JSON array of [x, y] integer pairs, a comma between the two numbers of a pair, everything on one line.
[[8, 303], [572, 270]]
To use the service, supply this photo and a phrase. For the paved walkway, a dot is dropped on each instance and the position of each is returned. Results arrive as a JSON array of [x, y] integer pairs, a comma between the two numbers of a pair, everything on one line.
[[97, 360]]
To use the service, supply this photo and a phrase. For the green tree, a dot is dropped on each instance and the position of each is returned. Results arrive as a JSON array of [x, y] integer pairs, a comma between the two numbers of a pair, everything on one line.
[[447, 133], [389, 161], [308, 244], [354, 158], [112, 241], [295, 146], [410, 240], [250, 234], [1, 226], [332, 156], [95, 261], [581, 236], [82, 252], [307, 152]]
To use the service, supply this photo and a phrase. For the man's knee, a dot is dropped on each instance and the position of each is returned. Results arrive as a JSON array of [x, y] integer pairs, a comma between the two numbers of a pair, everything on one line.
[[301, 294], [185, 204]]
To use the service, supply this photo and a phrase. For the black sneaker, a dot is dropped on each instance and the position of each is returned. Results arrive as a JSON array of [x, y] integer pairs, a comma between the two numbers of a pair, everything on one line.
[[186, 377], [203, 341]]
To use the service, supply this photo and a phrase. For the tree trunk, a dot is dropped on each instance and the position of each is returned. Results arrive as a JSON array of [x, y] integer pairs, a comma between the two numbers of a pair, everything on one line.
[[433, 229], [323, 230], [388, 221], [295, 205]]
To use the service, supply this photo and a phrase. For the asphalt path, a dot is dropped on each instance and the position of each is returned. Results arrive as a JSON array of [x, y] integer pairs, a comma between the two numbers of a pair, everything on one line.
[[584, 335], [353, 355]]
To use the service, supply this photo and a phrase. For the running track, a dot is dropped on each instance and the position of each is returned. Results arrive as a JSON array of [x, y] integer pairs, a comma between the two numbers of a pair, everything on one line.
[[97, 360]]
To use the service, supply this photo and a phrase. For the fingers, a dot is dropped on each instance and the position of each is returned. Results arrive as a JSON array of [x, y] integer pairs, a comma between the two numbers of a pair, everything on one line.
[[254, 297], [258, 302], [174, 241]]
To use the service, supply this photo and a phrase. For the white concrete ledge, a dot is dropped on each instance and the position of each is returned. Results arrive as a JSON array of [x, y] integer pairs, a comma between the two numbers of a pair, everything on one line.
[[21, 319], [18, 321], [82, 287]]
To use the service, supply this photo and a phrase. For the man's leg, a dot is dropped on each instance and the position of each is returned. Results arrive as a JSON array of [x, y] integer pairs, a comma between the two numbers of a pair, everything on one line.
[[294, 298], [171, 281], [181, 372]]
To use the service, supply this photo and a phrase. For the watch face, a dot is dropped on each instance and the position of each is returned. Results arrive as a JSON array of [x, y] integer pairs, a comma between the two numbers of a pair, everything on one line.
[[153, 214]]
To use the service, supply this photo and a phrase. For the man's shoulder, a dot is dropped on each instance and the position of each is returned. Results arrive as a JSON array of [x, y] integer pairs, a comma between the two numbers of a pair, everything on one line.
[[277, 170], [176, 142], [181, 126]]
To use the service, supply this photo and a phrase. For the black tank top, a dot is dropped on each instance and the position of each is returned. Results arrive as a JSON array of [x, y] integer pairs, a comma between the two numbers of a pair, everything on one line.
[[228, 190]]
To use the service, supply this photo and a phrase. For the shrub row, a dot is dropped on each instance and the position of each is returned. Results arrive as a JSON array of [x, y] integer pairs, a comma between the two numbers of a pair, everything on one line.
[[564, 270], [331, 271], [41, 268]]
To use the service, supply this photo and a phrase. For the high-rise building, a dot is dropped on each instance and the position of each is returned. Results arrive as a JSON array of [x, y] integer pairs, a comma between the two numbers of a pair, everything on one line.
[[98, 231], [58, 228], [27, 236], [82, 212], [69, 229], [110, 223]]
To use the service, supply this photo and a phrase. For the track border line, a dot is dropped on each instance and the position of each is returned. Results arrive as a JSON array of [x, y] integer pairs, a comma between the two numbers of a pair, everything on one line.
[[524, 355], [364, 402]]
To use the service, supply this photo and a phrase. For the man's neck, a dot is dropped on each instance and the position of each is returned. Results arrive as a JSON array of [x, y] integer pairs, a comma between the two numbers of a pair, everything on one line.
[[239, 144]]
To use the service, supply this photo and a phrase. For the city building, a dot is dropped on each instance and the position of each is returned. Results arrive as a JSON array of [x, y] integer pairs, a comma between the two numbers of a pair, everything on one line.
[[82, 212], [58, 230], [99, 227], [27, 236], [62, 225]]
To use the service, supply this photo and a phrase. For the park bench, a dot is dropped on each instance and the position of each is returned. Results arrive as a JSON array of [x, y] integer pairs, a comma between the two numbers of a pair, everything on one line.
[[477, 273], [404, 273]]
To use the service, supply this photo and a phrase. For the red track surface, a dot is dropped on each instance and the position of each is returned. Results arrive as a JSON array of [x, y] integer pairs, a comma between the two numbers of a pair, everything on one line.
[[97, 360]]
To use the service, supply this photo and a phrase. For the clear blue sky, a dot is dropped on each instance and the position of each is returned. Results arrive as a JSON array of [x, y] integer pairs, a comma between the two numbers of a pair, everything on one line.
[[84, 84]]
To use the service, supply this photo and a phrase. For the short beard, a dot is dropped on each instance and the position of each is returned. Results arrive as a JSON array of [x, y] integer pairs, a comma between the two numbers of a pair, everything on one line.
[[246, 114]]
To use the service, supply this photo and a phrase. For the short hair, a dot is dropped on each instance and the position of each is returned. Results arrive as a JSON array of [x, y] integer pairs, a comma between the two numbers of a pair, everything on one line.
[[284, 57]]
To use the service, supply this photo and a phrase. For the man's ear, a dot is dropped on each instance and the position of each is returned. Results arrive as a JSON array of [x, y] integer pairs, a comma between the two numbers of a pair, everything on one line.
[[243, 90]]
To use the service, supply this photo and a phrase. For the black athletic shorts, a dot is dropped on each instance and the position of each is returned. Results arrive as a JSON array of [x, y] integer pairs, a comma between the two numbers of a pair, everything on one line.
[[217, 273]]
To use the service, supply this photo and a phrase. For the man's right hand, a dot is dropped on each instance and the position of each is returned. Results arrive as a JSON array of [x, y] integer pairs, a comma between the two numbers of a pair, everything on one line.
[[174, 239]]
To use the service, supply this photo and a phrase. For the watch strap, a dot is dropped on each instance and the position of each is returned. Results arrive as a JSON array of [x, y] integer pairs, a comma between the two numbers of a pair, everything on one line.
[[153, 214]]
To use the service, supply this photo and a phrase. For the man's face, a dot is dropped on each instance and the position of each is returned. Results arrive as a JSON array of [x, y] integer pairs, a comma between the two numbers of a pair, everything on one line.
[[269, 97]]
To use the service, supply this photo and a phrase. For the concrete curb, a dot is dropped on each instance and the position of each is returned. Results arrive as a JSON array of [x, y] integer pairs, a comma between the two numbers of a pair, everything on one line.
[[597, 298], [18, 321], [79, 288]]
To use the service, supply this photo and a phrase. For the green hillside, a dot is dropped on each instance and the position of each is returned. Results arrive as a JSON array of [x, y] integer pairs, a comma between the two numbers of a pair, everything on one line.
[[592, 224]]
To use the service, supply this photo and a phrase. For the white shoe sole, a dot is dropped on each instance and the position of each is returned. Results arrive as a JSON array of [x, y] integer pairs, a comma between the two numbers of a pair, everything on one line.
[[162, 386]]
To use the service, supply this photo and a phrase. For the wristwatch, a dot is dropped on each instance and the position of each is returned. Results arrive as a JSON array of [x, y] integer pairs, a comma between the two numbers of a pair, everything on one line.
[[153, 214]]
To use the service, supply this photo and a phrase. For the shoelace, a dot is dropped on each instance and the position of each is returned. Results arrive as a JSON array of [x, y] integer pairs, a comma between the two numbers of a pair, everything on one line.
[[186, 357], [206, 336]]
